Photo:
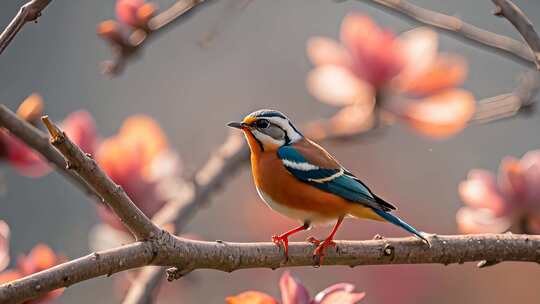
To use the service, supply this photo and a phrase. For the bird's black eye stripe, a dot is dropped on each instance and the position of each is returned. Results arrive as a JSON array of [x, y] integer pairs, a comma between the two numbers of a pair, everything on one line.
[[262, 124]]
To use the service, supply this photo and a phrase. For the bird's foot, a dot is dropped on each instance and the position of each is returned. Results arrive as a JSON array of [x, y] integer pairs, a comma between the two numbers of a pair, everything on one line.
[[282, 240], [318, 254], [313, 241]]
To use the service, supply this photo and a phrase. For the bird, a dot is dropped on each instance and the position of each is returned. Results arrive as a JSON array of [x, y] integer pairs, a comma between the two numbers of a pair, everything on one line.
[[298, 178]]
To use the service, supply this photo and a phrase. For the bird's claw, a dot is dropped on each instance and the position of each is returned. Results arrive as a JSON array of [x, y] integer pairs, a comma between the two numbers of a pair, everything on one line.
[[319, 252], [313, 241], [282, 240]]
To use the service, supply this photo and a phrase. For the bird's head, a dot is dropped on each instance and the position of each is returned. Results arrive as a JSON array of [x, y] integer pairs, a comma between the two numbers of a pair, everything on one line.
[[267, 130]]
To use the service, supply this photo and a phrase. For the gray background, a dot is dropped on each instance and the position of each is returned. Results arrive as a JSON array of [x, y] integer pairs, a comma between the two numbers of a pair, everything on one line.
[[258, 60]]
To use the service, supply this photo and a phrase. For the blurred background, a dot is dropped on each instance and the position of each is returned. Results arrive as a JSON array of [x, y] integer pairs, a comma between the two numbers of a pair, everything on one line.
[[256, 59]]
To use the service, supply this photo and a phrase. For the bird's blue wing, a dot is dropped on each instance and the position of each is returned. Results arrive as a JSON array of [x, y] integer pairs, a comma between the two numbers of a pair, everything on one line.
[[337, 181]]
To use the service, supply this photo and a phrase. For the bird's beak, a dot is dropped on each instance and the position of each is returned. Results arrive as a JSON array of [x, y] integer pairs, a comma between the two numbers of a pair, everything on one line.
[[237, 125]]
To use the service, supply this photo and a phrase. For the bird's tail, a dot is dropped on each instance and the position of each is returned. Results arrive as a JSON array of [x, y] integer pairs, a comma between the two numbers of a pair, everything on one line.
[[399, 222]]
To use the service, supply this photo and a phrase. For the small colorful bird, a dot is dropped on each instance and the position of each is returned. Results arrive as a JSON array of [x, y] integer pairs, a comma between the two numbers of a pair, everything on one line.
[[299, 179]]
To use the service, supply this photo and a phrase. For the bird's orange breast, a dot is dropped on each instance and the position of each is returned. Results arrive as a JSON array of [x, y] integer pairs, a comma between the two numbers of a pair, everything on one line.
[[274, 180]]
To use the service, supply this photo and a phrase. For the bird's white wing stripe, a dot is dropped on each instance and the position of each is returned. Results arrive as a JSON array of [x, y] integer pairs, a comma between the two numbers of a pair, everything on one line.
[[329, 178], [299, 166]]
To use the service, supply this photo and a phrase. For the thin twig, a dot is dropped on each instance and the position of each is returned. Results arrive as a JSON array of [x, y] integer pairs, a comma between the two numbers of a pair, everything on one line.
[[113, 195], [27, 13], [131, 46], [510, 11], [39, 141], [188, 255], [460, 28]]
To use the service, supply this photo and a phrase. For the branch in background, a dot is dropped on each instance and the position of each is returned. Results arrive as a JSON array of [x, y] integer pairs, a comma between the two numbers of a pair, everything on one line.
[[454, 25], [113, 195], [36, 139], [510, 11], [189, 255], [27, 13], [521, 100], [125, 49]]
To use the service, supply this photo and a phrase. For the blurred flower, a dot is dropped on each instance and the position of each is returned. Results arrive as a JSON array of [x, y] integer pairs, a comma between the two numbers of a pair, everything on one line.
[[4, 245], [31, 108], [405, 75], [16, 153], [79, 126], [137, 158], [134, 13], [495, 204], [40, 258], [293, 292], [22, 158]]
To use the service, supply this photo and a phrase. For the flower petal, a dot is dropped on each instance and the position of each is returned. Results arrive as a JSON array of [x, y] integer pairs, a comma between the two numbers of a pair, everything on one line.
[[447, 71], [338, 294], [10, 275], [338, 86], [323, 51], [342, 297], [31, 108], [126, 11], [292, 291], [419, 51], [251, 297], [81, 129], [375, 53], [42, 257], [26, 161], [352, 119], [511, 179], [480, 191], [4, 245], [441, 115], [531, 164], [471, 221]]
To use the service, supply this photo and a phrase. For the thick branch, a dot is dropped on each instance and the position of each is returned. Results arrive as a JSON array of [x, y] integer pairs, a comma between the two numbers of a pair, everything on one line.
[[510, 11], [456, 26], [188, 255], [36, 139], [112, 194], [28, 12]]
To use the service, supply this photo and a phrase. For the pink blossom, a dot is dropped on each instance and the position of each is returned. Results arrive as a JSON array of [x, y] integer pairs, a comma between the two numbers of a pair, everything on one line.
[[495, 203], [4, 245], [294, 292], [406, 74]]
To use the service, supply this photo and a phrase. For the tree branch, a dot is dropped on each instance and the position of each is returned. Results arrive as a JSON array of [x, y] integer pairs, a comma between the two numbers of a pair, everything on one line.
[[460, 28], [521, 100], [112, 194], [36, 139], [510, 11], [189, 255], [28, 12]]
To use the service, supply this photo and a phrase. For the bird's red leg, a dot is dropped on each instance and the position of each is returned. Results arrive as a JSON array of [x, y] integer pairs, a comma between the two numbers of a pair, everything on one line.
[[284, 237], [318, 254]]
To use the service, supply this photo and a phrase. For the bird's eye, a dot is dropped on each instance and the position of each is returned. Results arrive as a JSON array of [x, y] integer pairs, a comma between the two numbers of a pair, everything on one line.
[[262, 124]]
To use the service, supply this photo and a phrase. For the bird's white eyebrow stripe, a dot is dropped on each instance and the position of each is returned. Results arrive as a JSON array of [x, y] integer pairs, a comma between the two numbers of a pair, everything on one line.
[[329, 178], [299, 166]]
